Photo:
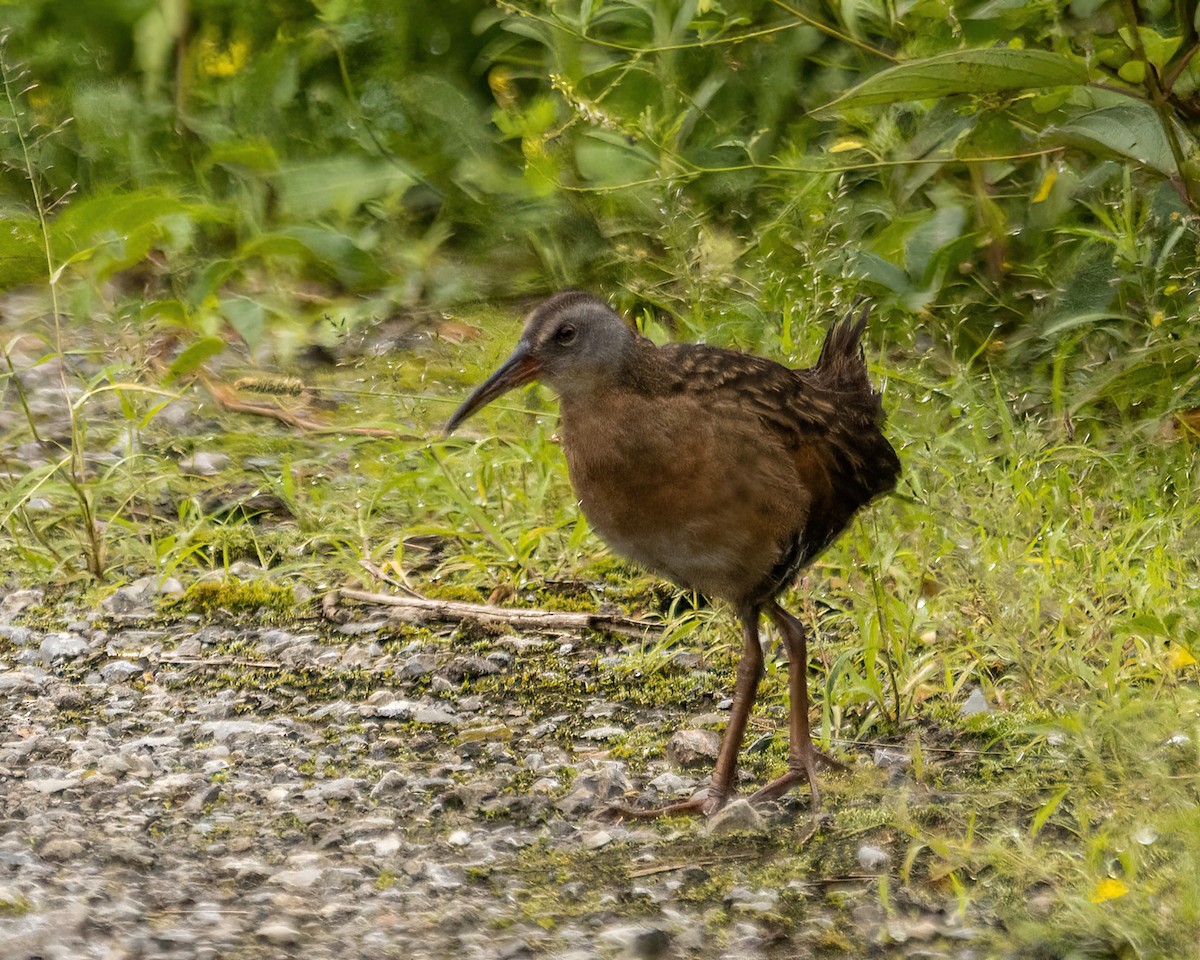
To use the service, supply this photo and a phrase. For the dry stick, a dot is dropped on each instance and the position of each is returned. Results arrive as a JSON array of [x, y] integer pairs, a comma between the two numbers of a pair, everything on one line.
[[672, 867], [226, 399], [813, 881], [220, 662], [542, 621]]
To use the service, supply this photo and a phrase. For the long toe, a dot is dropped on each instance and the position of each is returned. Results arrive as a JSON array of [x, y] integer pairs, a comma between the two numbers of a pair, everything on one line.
[[702, 804], [830, 762], [801, 767], [781, 785]]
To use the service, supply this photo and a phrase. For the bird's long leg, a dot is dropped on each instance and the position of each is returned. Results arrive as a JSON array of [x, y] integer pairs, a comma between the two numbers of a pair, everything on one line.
[[802, 756], [749, 672]]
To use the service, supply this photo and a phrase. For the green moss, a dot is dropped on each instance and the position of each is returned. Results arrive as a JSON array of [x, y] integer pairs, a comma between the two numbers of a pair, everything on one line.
[[14, 906], [642, 744], [236, 598], [546, 599], [386, 880], [543, 681], [74, 718], [463, 593], [289, 823]]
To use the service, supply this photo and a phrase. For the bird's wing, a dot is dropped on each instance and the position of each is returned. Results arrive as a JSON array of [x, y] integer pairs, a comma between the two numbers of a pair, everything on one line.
[[833, 431], [787, 400]]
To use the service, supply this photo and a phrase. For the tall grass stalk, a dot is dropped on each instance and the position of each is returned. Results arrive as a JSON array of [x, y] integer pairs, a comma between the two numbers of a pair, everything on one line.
[[17, 87]]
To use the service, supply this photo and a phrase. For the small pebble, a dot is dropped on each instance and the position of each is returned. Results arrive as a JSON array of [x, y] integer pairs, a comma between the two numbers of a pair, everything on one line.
[[735, 816], [872, 857]]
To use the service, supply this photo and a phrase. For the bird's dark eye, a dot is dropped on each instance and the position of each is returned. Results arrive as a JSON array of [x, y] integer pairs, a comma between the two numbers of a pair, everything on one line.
[[565, 334]]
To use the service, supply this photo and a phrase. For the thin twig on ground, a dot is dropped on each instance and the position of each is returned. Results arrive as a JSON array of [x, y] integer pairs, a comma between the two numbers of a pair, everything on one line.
[[422, 610], [225, 397], [221, 661]]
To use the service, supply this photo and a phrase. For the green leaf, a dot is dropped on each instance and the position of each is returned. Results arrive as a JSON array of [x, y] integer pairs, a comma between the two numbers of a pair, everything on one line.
[[1132, 131], [247, 317], [193, 357], [604, 157], [1046, 811], [1132, 71], [256, 154], [332, 252], [942, 228], [1159, 49], [964, 71], [339, 185], [876, 269], [165, 311], [1063, 323], [857, 12], [22, 256], [115, 230]]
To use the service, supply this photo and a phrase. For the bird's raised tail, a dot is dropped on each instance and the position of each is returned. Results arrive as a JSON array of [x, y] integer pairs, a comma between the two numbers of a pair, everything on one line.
[[865, 465], [841, 365]]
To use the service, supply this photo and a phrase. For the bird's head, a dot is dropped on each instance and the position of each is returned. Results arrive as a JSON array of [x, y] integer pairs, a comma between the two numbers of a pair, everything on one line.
[[572, 342]]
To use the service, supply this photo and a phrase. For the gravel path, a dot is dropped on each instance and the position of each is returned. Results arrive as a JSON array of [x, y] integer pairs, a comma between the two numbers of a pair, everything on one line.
[[201, 791]]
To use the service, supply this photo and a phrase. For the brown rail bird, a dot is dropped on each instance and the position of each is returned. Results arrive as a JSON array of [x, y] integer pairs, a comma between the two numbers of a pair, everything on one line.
[[724, 472]]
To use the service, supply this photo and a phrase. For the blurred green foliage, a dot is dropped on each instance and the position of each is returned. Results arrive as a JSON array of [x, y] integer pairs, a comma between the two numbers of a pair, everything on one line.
[[219, 146], [1024, 174]]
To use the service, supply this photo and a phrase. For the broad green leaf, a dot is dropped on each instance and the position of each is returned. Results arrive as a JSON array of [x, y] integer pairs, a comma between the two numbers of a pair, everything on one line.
[[22, 255], [115, 230], [254, 154], [193, 356], [1159, 49], [332, 252], [1062, 324], [1086, 299], [338, 185], [942, 228], [857, 12], [876, 269], [964, 71], [1132, 71], [1132, 131], [113, 215], [210, 279], [604, 157], [169, 311], [247, 317]]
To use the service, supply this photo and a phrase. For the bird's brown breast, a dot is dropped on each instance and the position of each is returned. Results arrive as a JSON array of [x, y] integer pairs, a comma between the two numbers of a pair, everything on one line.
[[704, 495]]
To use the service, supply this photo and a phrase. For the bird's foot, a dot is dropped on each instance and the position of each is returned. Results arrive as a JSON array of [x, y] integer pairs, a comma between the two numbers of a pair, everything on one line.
[[701, 805], [781, 785], [800, 769], [830, 762]]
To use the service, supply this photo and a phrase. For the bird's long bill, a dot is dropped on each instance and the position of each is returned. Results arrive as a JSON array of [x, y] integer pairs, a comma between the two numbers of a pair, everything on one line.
[[519, 369]]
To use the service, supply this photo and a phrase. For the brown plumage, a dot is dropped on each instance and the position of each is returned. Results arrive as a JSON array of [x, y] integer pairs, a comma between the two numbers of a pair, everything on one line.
[[721, 471]]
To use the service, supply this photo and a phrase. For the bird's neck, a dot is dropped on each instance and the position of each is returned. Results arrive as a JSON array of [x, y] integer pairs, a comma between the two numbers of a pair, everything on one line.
[[630, 369]]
